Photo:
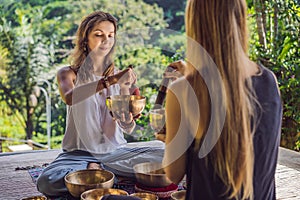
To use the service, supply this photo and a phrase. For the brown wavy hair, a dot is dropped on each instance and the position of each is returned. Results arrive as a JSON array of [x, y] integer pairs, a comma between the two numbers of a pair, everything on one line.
[[80, 61], [219, 26]]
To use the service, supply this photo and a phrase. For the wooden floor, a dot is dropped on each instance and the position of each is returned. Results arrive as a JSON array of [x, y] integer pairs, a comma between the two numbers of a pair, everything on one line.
[[18, 184], [288, 175]]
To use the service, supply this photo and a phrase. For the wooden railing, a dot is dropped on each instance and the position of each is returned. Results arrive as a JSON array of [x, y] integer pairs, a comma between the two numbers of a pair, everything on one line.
[[28, 144]]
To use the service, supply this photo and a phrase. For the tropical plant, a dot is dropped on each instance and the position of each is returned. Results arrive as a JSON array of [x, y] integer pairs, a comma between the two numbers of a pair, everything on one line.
[[22, 55], [275, 42], [27, 43]]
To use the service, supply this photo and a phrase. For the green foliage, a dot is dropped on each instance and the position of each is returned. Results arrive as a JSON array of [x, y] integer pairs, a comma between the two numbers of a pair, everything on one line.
[[9, 123], [297, 147], [30, 54], [10, 126], [281, 54], [173, 12], [148, 65], [173, 41], [4, 60], [42, 139]]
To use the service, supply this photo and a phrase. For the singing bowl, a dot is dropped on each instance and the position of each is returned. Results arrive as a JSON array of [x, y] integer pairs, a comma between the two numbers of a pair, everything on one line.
[[126, 103], [145, 196], [83, 180], [151, 175], [100, 192], [178, 195], [157, 119]]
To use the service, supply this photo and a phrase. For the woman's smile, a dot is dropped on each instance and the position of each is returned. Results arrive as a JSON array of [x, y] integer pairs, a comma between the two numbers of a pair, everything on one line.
[[102, 37], [104, 48]]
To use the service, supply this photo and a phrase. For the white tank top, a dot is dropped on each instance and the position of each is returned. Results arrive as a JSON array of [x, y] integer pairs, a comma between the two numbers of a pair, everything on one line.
[[90, 127]]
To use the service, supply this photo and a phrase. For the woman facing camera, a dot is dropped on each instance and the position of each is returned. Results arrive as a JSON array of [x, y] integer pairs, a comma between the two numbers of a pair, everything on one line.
[[93, 138]]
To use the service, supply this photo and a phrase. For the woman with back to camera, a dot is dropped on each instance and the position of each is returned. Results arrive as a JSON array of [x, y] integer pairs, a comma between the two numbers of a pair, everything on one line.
[[242, 162], [93, 138]]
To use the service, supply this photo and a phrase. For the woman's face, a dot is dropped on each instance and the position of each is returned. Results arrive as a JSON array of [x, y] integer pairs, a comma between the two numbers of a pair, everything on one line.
[[101, 39]]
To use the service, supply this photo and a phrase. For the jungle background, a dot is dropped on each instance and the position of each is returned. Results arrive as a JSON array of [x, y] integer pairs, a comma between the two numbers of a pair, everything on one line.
[[36, 39]]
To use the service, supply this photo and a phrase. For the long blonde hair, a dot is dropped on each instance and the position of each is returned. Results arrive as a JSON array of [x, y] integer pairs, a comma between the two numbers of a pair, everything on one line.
[[219, 26], [79, 58]]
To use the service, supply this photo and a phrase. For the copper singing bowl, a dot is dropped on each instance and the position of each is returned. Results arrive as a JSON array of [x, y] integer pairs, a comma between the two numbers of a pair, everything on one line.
[[151, 175], [83, 180], [178, 195], [119, 104], [100, 192], [145, 196]]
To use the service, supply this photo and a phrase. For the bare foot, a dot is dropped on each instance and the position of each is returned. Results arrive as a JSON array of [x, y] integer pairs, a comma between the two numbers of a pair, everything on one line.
[[160, 136], [94, 166]]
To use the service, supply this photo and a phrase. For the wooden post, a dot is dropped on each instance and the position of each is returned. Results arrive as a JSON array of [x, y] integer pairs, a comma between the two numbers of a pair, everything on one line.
[[0, 146]]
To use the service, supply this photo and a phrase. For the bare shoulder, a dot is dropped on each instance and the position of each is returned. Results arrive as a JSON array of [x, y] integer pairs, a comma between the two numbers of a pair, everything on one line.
[[179, 84], [66, 73]]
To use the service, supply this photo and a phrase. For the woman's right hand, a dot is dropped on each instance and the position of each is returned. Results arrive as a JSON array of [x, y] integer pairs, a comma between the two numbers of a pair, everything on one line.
[[126, 78]]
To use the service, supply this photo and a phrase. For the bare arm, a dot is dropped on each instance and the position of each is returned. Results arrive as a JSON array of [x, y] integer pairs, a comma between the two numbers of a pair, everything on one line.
[[72, 95], [175, 164], [65, 79], [179, 67]]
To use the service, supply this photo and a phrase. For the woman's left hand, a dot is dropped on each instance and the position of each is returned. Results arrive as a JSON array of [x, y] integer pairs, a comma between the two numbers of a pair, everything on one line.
[[125, 121], [125, 117]]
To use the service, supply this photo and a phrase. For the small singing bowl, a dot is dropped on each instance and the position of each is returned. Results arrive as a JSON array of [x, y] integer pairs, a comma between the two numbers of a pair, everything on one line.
[[100, 192], [83, 180], [35, 198], [178, 195], [145, 196], [157, 119], [151, 175], [119, 104]]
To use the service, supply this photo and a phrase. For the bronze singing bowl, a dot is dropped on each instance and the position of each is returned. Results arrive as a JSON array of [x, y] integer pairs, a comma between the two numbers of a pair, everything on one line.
[[119, 104], [83, 180], [178, 195], [157, 119], [145, 196], [151, 175], [100, 192]]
